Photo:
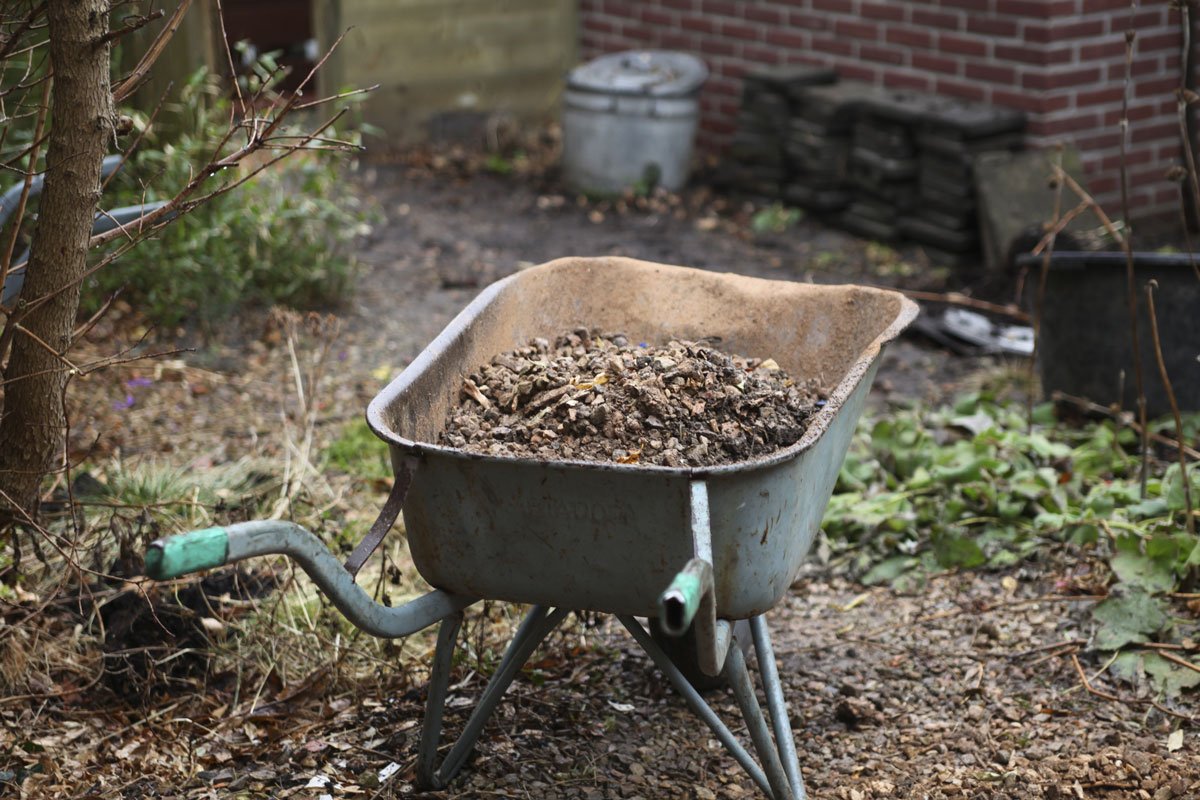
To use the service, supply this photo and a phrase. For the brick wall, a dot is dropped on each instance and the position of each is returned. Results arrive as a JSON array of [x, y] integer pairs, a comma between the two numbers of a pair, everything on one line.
[[1060, 61]]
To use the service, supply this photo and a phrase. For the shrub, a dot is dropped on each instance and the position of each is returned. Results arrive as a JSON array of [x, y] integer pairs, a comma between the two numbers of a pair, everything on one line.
[[285, 237]]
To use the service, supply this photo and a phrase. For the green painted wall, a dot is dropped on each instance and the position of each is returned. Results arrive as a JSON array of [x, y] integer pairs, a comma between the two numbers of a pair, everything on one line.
[[449, 67]]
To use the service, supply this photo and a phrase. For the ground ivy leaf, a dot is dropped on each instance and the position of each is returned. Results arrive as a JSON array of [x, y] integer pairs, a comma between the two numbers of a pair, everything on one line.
[[955, 550], [1127, 619], [1151, 575], [889, 569], [1167, 677]]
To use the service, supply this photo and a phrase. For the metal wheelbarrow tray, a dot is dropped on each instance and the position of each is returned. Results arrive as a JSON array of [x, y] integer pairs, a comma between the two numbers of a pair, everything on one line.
[[692, 549]]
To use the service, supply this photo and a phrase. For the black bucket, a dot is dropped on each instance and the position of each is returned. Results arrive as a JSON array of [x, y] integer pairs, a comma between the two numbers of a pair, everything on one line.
[[1085, 347]]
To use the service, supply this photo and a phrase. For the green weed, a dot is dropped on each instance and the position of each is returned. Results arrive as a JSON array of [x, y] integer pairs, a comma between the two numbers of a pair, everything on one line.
[[974, 485]]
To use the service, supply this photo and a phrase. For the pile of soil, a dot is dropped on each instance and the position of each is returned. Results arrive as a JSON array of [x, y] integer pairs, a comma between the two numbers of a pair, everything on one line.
[[597, 396]]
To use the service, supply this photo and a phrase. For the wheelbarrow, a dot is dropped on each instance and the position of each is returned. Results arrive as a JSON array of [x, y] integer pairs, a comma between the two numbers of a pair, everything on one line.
[[692, 550]]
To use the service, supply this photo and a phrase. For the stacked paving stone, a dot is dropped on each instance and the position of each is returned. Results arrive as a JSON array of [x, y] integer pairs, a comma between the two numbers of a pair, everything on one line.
[[760, 164], [819, 145], [886, 164], [949, 136], [883, 164]]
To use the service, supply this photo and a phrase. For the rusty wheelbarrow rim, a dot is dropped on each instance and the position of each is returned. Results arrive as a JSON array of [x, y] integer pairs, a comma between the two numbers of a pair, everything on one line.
[[818, 423]]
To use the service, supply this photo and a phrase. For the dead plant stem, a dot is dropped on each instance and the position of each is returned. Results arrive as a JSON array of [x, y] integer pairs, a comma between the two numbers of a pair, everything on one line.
[[1166, 379]]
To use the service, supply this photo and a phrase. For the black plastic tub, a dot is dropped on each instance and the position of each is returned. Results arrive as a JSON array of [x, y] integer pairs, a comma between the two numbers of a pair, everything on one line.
[[1085, 346]]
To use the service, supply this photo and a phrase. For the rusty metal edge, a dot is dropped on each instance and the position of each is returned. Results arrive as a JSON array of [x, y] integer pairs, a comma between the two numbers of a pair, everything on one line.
[[465, 318]]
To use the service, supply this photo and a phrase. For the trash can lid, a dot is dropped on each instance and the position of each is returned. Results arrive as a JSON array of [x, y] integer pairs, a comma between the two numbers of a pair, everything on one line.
[[661, 73]]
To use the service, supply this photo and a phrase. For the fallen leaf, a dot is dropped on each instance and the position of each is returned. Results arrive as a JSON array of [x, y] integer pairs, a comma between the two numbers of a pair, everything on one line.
[[1175, 740]]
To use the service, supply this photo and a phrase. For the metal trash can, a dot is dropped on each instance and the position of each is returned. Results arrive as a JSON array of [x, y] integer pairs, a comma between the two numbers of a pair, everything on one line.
[[629, 120]]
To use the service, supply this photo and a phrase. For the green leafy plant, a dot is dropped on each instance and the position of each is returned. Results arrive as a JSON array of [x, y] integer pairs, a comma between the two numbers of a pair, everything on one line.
[[974, 485], [775, 218], [286, 237]]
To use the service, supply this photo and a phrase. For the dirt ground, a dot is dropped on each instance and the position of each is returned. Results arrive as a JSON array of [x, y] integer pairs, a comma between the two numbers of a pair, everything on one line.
[[968, 689]]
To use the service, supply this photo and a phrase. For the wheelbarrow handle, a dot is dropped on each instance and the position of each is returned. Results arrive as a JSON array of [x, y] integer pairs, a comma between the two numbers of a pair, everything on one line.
[[215, 547]]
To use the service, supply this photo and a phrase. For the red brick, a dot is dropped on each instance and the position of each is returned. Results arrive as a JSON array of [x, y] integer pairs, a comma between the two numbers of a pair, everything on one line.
[[1100, 140], [907, 80], [962, 45], [1154, 87], [683, 5], [951, 21], [1061, 79], [1022, 53], [1033, 103], [991, 26], [741, 30], [1099, 97], [716, 46], [723, 86], [1036, 9], [837, 47], [909, 37], [1153, 131], [991, 73], [971, 6], [699, 24], [1094, 6], [1045, 33], [1136, 114], [1133, 157], [763, 54], [880, 55], [934, 63], [725, 8], [619, 8], [1171, 40], [786, 38], [1069, 124], [808, 20], [1138, 21], [892, 11], [675, 40], [728, 108], [657, 16], [967, 91], [1111, 48], [1104, 184], [836, 6], [858, 72], [760, 13], [854, 29]]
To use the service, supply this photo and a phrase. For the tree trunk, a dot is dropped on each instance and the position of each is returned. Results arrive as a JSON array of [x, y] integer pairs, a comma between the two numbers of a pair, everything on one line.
[[32, 427]]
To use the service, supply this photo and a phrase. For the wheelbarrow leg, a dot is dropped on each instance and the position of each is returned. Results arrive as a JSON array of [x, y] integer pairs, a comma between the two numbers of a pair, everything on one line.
[[435, 703], [534, 628], [697, 703], [776, 705], [738, 676]]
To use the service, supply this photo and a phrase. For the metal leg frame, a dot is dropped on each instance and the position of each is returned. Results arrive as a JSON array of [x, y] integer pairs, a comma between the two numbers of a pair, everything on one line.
[[781, 778], [534, 628]]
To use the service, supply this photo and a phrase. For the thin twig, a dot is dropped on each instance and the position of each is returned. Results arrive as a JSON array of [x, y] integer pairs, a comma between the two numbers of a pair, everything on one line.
[[1127, 247], [1166, 379], [1183, 662], [17, 216], [1088, 684], [959, 299], [134, 79], [1124, 418]]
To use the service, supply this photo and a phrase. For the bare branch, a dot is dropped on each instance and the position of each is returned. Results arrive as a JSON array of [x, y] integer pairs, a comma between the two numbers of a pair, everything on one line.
[[134, 79]]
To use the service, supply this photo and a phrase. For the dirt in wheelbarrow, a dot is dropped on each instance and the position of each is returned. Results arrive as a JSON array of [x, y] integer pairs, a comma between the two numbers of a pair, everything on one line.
[[597, 396]]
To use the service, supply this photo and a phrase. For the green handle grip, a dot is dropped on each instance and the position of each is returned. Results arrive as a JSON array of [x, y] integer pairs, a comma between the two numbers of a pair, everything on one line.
[[680, 602], [188, 552]]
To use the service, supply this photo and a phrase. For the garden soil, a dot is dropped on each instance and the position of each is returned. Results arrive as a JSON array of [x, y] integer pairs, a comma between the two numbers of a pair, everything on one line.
[[968, 688]]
